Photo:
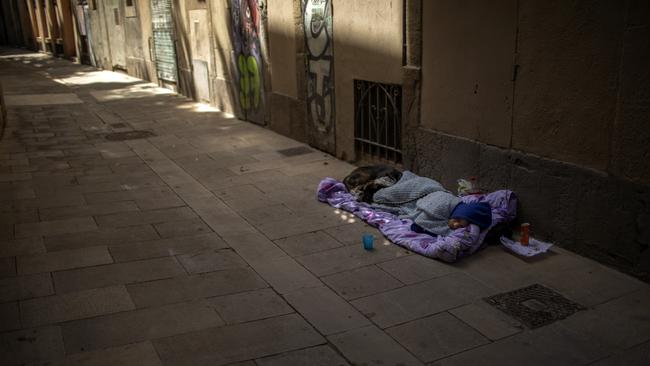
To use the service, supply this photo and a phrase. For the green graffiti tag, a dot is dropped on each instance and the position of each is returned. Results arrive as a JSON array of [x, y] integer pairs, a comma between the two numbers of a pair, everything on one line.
[[250, 86]]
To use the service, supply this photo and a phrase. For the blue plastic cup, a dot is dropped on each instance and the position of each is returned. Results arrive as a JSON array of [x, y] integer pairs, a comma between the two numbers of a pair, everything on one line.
[[368, 240]]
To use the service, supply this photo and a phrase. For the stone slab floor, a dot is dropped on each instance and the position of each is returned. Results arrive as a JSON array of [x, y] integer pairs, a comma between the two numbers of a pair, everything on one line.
[[205, 245]]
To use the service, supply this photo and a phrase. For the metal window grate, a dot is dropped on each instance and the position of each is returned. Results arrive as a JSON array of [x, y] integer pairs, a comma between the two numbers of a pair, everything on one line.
[[378, 121], [164, 46]]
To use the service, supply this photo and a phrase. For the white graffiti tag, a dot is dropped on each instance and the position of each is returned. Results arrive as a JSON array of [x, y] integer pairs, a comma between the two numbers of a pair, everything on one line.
[[317, 22]]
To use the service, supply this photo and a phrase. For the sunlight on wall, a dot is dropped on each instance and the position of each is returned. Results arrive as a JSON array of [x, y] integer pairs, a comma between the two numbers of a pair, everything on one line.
[[378, 32]]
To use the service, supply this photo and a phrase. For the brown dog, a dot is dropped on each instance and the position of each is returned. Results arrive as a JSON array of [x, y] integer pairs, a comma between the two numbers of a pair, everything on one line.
[[362, 181]]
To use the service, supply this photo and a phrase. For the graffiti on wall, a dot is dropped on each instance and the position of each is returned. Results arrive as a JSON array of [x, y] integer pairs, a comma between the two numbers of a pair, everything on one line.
[[317, 22], [246, 31]]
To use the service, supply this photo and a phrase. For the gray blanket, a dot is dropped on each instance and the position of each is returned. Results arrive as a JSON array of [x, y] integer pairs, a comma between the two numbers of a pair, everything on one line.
[[420, 199]]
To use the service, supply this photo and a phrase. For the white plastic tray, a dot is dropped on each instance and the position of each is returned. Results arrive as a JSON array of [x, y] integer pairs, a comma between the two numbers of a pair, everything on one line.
[[534, 247]]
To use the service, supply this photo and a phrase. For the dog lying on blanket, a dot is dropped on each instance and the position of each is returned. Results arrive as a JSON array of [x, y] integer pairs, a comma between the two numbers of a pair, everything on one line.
[[363, 182], [433, 209]]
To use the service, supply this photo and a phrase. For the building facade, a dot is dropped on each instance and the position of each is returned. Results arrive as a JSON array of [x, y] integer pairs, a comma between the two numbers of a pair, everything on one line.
[[547, 98]]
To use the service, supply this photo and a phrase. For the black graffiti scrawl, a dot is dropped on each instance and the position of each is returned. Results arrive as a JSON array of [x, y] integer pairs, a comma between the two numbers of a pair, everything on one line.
[[317, 22]]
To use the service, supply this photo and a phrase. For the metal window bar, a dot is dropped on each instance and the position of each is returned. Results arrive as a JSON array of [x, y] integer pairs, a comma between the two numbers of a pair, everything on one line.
[[378, 121]]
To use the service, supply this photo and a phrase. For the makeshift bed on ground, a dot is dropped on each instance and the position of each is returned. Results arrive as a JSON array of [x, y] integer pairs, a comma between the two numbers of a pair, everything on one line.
[[456, 244]]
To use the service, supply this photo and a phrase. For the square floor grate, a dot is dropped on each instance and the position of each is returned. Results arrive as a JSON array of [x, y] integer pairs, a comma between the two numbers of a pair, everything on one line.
[[535, 305], [295, 151]]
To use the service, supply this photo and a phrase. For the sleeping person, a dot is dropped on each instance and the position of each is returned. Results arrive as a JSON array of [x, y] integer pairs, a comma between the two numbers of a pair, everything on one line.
[[477, 213], [433, 209]]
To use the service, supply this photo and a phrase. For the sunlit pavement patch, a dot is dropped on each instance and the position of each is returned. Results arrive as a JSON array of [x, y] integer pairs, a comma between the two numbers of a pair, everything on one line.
[[97, 77], [135, 91]]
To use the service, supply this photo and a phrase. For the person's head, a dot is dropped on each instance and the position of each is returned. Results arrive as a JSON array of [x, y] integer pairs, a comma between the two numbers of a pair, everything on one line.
[[457, 223], [477, 213]]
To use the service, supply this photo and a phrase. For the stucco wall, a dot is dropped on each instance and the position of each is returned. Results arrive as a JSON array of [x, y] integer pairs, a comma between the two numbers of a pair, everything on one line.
[[98, 37], [467, 64], [367, 46], [630, 155], [567, 59], [565, 93], [116, 32], [146, 32], [287, 70], [135, 42], [282, 46], [223, 89]]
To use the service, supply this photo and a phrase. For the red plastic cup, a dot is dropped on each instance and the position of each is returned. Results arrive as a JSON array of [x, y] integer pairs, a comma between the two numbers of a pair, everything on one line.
[[525, 234]]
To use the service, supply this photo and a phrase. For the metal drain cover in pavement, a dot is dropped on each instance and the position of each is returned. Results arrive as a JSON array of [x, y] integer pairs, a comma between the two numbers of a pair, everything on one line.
[[535, 305], [129, 135], [295, 151]]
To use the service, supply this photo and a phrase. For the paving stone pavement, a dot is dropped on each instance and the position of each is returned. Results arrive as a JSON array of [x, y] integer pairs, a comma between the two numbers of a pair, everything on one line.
[[204, 245]]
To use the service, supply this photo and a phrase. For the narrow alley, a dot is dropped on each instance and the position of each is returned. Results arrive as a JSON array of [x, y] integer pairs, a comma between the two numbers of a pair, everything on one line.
[[140, 227]]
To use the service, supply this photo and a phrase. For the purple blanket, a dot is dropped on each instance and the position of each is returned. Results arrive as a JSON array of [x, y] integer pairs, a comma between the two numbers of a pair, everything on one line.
[[460, 243]]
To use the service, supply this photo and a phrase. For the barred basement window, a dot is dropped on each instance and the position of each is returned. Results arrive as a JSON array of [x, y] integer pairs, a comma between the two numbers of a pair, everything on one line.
[[378, 121]]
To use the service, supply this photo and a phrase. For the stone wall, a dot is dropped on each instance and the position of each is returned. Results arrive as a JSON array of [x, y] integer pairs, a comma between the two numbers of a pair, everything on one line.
[[549, 99]]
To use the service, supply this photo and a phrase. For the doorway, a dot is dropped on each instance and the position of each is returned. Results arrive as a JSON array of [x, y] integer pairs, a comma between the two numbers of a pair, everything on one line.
[[163, 43], [201, 54], [115, 37]]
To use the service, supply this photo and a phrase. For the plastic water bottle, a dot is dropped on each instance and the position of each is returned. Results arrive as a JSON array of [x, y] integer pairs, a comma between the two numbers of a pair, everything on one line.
[[468, 186]]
